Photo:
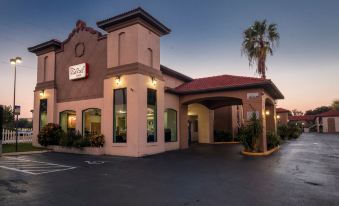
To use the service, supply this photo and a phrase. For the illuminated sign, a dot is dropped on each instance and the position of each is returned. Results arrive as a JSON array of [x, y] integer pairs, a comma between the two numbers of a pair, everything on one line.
[[79, 71]]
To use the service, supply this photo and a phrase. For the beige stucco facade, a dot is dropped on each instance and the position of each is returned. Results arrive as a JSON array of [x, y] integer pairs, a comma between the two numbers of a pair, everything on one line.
[[128, 57]]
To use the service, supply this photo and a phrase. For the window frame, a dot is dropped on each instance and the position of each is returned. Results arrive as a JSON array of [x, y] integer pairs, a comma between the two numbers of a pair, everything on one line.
[[67, 110], [176, 125], [82, 119], [155, 123], [114, 120]]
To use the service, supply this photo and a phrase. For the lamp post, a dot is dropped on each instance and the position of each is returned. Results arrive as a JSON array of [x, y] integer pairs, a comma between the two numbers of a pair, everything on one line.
[[14, 62]]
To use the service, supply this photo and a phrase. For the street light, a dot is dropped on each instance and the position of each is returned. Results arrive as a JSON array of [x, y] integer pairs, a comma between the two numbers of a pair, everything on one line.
[[15, 61]]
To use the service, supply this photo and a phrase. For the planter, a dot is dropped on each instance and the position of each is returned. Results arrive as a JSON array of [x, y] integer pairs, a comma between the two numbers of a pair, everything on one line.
[[260, 153], [75, 150]]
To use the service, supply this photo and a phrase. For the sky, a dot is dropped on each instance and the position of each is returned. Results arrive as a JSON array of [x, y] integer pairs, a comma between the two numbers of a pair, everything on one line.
[[205, 41]]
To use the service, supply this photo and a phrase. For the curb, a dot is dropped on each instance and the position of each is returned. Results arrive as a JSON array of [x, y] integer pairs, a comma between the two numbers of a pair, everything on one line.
[[226, 142], [256, 154], [24, 153]]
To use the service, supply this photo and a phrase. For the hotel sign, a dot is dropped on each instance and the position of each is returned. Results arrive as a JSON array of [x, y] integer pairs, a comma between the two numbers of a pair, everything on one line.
[[79, 71]]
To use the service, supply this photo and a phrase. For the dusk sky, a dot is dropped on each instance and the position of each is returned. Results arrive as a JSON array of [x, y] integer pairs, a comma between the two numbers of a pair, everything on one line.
[[205, 41]]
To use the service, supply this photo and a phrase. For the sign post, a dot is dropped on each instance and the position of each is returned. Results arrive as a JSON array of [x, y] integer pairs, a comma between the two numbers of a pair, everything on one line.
[[1, 118], [17, 113]]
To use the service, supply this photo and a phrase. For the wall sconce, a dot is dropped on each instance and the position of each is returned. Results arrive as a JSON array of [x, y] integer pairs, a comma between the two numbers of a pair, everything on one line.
[[42, 93], [267, 112], [154, 81], [117, 80], [278, 116]]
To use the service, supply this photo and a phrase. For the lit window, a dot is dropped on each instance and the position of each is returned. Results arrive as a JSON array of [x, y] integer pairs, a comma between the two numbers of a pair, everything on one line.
[[120, 116], [151, 115], [43, 113], [170, 125], [91, 122], [68, 121]]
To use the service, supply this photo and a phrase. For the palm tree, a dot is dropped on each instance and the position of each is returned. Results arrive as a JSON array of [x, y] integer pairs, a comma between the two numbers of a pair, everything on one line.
[[259, 40]]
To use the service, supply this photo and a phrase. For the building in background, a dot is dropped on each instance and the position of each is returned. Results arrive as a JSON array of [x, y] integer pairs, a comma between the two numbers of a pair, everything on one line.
[[282, 116], [328, 122]]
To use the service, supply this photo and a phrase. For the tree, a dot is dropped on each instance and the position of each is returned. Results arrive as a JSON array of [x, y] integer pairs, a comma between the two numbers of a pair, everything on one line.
[[259, 40], [24, 123], [318, 110], [335, 104], [7, 117], [297, 112]]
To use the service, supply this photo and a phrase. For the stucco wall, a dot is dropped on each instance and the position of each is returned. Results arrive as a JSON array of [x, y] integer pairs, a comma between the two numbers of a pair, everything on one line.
[[325, 124], [283, 118], [172, 102], [136, 85], [134, 47], [46, 74], [223, 119], [205, 121], [172, 82]]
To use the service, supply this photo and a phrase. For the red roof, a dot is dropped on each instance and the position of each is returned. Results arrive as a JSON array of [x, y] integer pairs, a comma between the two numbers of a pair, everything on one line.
[[331, 113], [282, 110], [301, 118], [226, 82]]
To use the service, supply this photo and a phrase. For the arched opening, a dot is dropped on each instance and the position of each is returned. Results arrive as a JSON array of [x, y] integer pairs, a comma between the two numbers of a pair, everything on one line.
[[270, 117], [214, 119], [121, 47], [67, 121], [91, 121]]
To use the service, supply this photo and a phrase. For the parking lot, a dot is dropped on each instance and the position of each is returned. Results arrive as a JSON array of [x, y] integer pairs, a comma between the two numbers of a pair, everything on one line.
[[303, 172]]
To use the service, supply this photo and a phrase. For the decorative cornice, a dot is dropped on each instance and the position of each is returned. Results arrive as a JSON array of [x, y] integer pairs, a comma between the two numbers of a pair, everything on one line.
[[45, 85], [133, 68]]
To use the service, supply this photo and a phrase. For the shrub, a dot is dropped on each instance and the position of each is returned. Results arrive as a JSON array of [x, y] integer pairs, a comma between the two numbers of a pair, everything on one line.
[[97, 140], [249, 135], [283, 131], [82, 142], [294, 131], [50, 135], [272, 140]]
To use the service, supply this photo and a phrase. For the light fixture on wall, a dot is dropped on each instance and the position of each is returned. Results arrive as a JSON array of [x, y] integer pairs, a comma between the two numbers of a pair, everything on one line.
[[154, 81], [278, 116], [42, 93], [267, 112], [117, 80]]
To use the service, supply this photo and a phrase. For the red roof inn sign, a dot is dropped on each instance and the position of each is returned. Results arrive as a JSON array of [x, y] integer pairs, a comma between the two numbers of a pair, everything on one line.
[[79, 71]]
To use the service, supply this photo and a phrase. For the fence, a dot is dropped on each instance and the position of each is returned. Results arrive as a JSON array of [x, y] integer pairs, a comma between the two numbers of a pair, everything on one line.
[[24, 136]]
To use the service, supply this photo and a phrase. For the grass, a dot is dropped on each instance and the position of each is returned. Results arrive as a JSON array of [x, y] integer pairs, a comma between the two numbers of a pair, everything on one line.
[[22, 147]]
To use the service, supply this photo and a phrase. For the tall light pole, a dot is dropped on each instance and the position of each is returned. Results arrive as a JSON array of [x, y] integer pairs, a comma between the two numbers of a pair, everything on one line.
[[14, 62]]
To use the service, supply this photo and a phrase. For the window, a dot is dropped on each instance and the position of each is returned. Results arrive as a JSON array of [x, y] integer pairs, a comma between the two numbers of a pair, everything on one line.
[[121, 44], [42, 113], [120, 116], [170, 121], [91, 122], [68, 121], [151, 115]]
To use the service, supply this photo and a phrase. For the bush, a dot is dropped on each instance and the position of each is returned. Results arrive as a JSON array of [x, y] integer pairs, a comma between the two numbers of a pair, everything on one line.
[[283, 131], [221, 136], [249, 135], [97, 140], [272, 140], [50, 135], [70, 138], [294, 131]]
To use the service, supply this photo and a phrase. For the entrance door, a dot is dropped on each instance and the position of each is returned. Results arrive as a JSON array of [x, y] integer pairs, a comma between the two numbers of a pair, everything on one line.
[[331, 125]]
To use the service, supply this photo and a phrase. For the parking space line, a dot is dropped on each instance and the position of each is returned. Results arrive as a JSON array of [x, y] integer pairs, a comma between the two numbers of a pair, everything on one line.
[[31, 166]]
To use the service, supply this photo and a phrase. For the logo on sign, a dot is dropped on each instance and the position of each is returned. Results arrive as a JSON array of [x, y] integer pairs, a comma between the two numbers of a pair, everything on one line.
[[79, 71]]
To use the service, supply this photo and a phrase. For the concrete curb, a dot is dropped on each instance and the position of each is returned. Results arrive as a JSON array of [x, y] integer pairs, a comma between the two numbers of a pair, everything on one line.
[[24, 153], [226, 143], [257, 154]]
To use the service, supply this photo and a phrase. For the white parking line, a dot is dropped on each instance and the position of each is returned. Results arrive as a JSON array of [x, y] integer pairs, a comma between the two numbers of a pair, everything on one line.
[[30, 166]]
